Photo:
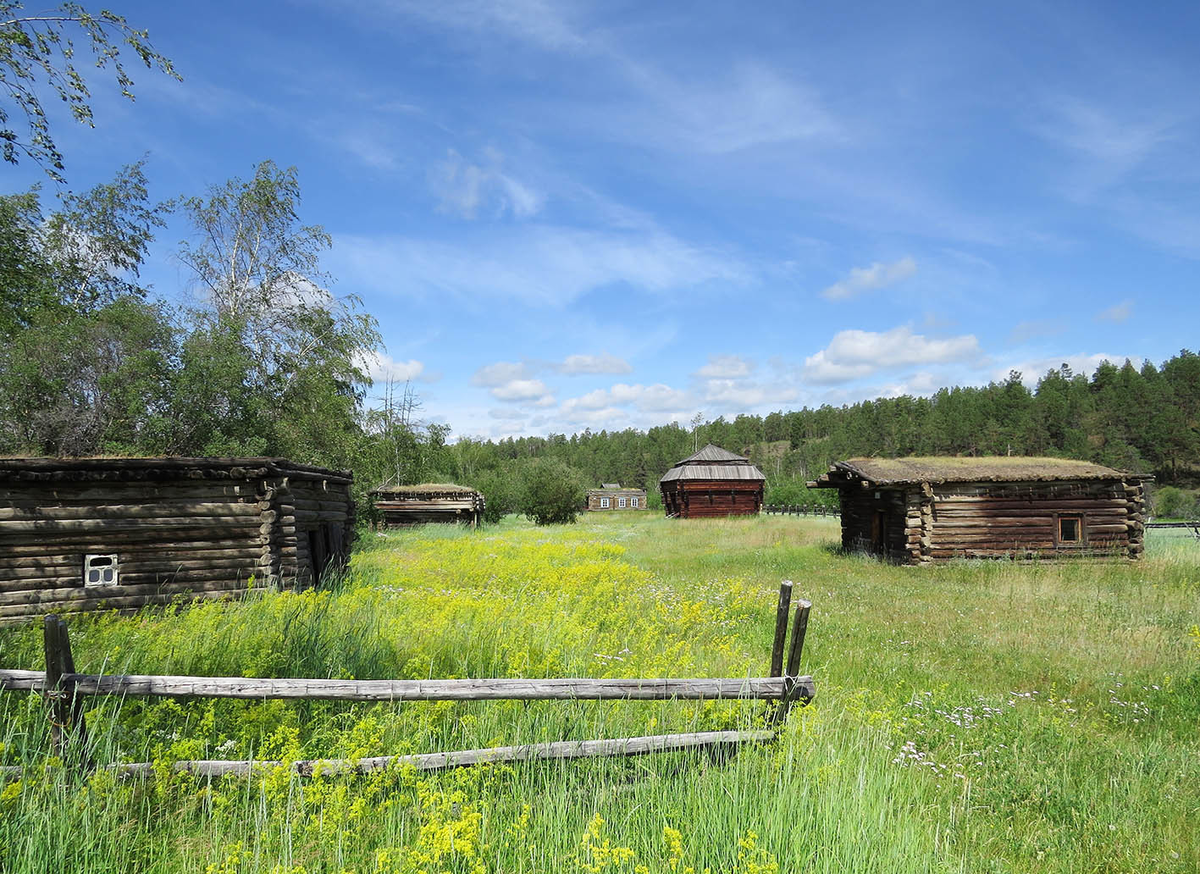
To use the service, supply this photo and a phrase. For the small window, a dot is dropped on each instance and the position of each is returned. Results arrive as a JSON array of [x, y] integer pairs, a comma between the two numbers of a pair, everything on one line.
[[99, 570], [605, 503], [1070, 529], [633, 502], [621, 503]]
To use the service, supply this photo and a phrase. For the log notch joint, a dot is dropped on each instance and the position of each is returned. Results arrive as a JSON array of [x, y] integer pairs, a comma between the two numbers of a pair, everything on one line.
[[120, 533], [918, 510], [713, 482]]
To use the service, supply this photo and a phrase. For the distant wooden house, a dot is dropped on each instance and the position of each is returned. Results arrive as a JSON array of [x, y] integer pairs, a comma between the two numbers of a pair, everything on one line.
[[917, 510], [610, 496], [101, 533], [713, 482], [430, 502]]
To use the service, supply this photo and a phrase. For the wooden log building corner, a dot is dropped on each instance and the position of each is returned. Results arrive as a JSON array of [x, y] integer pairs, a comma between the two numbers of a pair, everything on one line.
[[920, 510], [81, 534]]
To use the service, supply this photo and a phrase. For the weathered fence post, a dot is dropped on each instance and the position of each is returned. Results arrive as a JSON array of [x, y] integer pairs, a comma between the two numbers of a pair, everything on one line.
[[68, 731], [781, 621], [791, 671]]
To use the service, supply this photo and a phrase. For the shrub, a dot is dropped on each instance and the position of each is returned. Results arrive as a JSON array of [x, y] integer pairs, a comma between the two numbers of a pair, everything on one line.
[[1172, 503], [552, 492], [501, 491]]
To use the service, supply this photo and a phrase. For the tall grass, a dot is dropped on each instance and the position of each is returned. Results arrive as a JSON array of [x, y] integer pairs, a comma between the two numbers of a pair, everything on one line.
[[976, 716]]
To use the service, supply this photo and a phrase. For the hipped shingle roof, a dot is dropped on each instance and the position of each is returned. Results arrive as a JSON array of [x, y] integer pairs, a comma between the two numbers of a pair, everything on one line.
[[713, 463]]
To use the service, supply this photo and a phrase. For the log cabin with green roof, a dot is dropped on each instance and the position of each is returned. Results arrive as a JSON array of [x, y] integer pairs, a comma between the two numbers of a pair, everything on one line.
[[921, 510]]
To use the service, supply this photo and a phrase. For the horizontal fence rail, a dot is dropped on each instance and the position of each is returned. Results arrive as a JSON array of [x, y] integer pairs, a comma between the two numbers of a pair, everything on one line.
[[662, 689], [65, 689], [554, 750]]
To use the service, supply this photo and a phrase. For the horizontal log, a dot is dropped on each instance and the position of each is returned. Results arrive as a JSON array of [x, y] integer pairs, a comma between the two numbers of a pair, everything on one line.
[[53, 526], [14, 613], [311, 516], [1036, 502], [552, 751], [587, 689], [202, 582], [122, 493], [130, 553], [141, 510]]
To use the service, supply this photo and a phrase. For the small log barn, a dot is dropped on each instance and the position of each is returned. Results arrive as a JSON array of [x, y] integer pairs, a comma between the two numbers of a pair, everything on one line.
[[610, 496], [713, 482], [82, 534], [918, 510], [431, 502]]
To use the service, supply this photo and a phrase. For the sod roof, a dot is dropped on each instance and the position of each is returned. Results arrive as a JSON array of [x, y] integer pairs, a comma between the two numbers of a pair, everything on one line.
[[425, 489], [949, 469]]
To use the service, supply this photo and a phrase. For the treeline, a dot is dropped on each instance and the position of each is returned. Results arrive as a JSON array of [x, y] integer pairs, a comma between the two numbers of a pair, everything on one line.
[[265, 361], [1141, 419]]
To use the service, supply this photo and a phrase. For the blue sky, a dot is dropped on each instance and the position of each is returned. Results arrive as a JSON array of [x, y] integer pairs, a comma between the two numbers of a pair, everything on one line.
[[570, 215]]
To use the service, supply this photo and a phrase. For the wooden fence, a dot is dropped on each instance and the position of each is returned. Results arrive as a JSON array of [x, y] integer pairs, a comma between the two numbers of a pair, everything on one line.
[[1193, 526], [65, 690], [801, 510]]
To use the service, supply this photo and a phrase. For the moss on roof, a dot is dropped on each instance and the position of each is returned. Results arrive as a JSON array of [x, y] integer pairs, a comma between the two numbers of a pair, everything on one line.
[[942, 469], [424, 488]]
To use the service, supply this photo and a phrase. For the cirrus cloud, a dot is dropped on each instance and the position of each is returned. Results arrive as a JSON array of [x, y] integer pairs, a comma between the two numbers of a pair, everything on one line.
[[878, 275]]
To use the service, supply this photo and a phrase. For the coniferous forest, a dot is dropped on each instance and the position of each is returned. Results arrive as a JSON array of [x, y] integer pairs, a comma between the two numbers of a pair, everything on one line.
[[265, 361]]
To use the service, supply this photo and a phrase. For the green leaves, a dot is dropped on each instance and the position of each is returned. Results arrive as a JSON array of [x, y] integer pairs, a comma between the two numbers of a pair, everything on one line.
[[38, 51]]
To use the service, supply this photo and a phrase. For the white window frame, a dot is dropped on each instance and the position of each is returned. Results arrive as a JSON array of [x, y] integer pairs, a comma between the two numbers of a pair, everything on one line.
[[605, 503], [104, 567], [633, 502], [621, 502]]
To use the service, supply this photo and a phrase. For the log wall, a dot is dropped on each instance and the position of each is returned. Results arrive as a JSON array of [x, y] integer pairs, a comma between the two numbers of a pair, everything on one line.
[[1022, 520], [709, 498], [201, 530]]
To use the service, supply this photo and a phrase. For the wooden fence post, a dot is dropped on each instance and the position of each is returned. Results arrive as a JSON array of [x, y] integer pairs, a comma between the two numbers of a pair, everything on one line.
[[781, 621], [799, 627], [68, 732]]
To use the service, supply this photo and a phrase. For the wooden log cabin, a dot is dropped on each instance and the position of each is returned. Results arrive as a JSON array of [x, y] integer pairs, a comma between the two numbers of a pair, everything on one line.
[[120, 533], [431, 502], [610, 496], [919, 510], [713, 482]]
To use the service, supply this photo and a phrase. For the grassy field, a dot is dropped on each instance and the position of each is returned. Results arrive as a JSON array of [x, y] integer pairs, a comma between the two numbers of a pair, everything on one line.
[[971, 717]]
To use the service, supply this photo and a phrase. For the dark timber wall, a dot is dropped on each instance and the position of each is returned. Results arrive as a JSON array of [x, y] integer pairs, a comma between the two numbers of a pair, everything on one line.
[[691, 499], [198, 527]]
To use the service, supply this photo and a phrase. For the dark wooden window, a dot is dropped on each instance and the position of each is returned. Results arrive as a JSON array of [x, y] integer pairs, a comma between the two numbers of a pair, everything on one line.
[[1070, 529]]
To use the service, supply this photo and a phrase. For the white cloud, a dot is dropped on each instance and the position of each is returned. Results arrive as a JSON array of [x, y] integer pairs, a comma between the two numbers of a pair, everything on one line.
[[878, 275], [499, 373], [1116, 314], [657, 398], [752, 106], [856, 354], [739, 396], [542, 264], [382, 367], [593, 364], [1032, 370], [464, 188], [532, 391], [725, 367]]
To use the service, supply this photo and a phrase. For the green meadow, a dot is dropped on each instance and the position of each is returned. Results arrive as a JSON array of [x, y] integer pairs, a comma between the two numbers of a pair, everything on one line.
[[989, 716]]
